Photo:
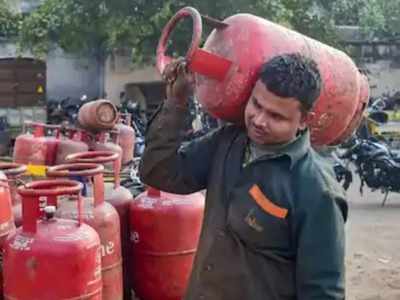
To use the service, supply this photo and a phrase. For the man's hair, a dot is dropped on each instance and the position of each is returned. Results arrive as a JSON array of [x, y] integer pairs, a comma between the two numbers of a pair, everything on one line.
[[293, 76]]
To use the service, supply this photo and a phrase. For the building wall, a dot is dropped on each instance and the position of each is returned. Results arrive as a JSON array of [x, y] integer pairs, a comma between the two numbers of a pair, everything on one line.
[[382, 64], [72, 76], [384, 76], [9, 50], [380, 60], [120, 71]]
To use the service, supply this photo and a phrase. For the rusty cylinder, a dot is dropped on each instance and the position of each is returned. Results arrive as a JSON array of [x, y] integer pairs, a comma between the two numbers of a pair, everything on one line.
[[98, 115]]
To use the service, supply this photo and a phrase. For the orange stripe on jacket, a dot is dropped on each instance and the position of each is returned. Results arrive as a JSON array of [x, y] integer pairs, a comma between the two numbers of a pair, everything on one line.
[[266, 204]]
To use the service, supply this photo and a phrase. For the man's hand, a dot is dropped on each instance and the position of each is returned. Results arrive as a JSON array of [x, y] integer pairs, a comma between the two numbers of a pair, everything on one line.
[[179, 81]]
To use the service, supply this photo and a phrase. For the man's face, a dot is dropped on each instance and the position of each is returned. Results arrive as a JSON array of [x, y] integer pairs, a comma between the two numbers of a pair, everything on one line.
[[271, 119]]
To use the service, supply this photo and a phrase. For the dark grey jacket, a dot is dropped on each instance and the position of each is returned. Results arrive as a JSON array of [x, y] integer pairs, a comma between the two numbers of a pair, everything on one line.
[[273, 230]]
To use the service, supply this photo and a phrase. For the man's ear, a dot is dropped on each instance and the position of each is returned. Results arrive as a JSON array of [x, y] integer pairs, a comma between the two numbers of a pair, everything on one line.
[[306, 119]]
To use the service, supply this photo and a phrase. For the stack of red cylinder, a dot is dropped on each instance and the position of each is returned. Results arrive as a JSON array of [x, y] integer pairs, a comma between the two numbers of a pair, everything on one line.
[[13, 172], [37, 144], [107, 141], [119, 197], [165, 230], [100, 215], [7, 227], [45, 145], [51, 258]]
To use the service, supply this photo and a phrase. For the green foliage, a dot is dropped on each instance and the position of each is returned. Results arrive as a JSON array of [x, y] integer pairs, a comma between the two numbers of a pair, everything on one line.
[[313, 18], [346, 12], [100, 26], [9, 21], [73, 25], [95, 27], [381, 18], [377, 18]]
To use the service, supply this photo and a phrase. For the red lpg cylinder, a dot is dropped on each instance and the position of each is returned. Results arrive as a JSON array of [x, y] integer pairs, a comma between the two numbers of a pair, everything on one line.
[[7, 226], [73, 141], [51, 258], [38, 144], [100, 215], [225, 76], [119, 197], [14, 171], [358, 116], [127, 137], [98, 115], [165, 230], [107, 141]]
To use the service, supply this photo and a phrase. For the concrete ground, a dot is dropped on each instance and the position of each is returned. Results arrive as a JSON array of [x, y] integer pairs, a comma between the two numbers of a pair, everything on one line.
[[373, 246]]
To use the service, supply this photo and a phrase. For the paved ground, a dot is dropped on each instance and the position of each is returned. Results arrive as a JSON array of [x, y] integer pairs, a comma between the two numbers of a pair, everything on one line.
[[373, 246]]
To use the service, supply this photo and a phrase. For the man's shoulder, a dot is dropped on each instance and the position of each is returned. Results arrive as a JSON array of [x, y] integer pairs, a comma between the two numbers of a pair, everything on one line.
[[316, 181], [315, 168], [225, 132], [231, 129]]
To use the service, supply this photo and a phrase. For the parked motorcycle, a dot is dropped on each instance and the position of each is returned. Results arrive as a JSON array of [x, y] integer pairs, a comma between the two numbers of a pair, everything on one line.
[[133, 182], [377, 166], [382, 120], [5, 136], [343, 174], [65, 110]]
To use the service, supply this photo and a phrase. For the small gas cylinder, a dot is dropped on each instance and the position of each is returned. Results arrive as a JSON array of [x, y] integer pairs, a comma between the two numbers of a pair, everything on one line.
[[127, 137], [37, 145], [99, 214], [119, 197], [227, 68], [98, 115], [14, 171], [7, 226], [51, 258], [165, 230]]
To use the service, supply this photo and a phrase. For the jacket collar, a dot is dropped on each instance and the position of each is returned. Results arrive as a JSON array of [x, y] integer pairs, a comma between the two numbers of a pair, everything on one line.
[[295, 149]]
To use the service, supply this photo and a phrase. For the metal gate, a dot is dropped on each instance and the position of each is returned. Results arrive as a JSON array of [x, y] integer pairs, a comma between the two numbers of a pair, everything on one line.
[[22, 82]]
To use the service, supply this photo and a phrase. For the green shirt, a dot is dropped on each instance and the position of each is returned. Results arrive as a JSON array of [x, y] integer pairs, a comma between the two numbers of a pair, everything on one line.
[[255, 151], [273, 229]]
